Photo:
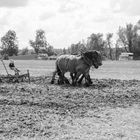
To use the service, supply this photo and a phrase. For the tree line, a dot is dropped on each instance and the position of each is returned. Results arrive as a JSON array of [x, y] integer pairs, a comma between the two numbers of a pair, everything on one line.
[[127, 40]]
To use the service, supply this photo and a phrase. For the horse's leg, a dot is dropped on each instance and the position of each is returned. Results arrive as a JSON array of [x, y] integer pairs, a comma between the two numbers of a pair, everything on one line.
[[72, 77], [61, 78], [76, 78], [87, 79], [81, 78], [58, 71], [59, 81], [66, 80], [53, 77]]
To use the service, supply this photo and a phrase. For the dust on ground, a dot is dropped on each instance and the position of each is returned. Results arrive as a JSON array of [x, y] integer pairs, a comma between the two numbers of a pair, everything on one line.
[[108, 109]]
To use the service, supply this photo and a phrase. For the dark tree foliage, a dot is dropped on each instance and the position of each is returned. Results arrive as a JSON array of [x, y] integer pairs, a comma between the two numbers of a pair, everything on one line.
[[50, 50], [127, 35], [96, 42], [9, 44], [130, 39], [40, 44], [109, 44], [77, 48], [64, 51], [24, 51]]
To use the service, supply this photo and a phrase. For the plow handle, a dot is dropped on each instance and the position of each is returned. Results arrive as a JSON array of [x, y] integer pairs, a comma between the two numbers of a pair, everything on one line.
[[4, 67]]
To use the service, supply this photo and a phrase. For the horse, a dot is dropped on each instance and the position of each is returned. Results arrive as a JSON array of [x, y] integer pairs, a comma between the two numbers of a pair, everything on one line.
[[76, 65]]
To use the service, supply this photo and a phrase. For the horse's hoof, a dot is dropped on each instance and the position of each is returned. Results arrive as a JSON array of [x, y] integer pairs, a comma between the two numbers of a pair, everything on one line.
[[79, 82], [90, 82], [52, 82], [60, 82], [67, 82], [86, 84], [74, 84]]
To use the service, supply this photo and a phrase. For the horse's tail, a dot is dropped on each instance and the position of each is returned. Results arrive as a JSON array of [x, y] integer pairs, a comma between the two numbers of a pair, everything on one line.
[[57, 71]]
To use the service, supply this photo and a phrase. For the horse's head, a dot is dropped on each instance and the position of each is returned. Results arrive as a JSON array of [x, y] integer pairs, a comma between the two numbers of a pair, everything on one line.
[[93, 58]]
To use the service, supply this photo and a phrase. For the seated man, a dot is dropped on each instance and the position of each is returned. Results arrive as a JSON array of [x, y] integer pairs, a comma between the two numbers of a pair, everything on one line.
[[12, 67]]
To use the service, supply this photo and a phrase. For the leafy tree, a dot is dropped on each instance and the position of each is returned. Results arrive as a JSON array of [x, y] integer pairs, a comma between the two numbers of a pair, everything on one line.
[[118, 50], [82, 46], [126, 37], [136, 47], [58, 51], [24, 51], [109, 43], [74, 49], [64, 51], [40, 43], [9, 44], [77, 48], [130, 39], [96, 42], [50, 50]]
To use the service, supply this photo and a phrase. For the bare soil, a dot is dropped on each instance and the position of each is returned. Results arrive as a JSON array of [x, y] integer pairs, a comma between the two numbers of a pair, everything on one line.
[[108, 109]]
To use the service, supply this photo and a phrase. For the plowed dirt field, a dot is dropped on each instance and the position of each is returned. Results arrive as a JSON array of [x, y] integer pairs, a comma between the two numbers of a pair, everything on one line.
[[108, 109]]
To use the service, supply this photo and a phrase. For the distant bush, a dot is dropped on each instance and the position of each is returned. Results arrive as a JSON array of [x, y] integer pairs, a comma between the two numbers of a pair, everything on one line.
[[6, 57], [24, 57], [24, 51], [42, 56], [53, 57]]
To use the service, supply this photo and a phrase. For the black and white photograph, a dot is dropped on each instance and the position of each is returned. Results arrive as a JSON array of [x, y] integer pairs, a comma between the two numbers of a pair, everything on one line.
[[69, 70]]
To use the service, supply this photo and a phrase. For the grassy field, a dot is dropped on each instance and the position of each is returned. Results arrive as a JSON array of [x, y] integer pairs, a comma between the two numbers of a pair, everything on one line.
[[107, 110], [110, 69]]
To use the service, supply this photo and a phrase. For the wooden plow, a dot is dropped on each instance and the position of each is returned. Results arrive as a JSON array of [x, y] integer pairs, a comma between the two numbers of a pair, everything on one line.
[[14, 78]]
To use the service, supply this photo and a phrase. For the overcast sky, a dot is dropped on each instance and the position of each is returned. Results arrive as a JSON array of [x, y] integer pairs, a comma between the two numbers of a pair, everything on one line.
[[65, 21]]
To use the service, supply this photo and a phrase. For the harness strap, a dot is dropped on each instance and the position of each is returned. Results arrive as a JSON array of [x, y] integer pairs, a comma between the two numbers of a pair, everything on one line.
[[86, 61]]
